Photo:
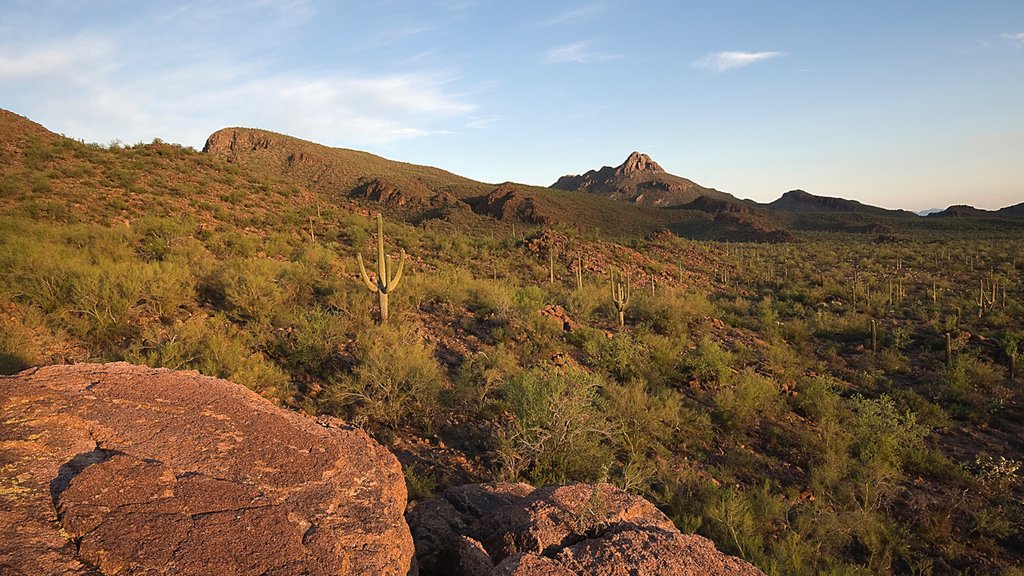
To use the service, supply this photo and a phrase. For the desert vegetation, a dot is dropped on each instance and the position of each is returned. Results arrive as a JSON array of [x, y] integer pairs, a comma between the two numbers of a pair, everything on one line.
[[842, 403]]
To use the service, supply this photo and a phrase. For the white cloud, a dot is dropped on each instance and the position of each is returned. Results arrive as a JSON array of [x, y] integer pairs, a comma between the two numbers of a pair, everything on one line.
[[95, 89], [60, 57], [725, 61], [574, 15], [1017, 39], [577, 53]]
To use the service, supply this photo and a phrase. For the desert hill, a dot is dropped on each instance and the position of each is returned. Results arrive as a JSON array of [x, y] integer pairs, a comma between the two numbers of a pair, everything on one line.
[[639, 180], [420, 193], [800, 202]]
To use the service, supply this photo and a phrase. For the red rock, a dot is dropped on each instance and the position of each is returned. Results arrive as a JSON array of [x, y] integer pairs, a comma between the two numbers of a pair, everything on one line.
[[438, 524], [571, 530], [531, 565], [134, 470], [638, 550]]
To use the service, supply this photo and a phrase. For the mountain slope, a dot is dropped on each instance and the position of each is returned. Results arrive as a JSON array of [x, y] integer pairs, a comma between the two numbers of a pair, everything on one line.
[[418, 193], [1015, 210], [800, 202], [639, 180]]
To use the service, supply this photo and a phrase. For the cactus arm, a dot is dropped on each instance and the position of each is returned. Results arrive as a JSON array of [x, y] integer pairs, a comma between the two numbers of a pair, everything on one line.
[[382, 273], [393, 282], [364, 276]]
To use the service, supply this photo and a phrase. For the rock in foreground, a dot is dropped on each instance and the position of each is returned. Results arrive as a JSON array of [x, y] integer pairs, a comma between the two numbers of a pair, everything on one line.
[[572, 530], [121, 469]]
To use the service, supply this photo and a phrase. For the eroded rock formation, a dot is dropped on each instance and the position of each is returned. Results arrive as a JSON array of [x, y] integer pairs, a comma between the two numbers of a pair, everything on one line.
[[121, 469], [571, 530]]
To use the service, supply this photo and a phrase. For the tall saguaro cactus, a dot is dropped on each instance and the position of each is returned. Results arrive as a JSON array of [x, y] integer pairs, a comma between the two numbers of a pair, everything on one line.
[[620, 295], [387, 276]]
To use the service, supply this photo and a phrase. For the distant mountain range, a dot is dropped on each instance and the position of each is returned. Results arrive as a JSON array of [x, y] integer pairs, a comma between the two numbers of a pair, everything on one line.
[[641, 180], [635, 198]]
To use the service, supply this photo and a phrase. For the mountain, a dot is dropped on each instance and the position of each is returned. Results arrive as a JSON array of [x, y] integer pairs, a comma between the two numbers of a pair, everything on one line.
[[961, 211], [419, 193], [1015, 210], [928, 211], [639, 180], [800, 202]]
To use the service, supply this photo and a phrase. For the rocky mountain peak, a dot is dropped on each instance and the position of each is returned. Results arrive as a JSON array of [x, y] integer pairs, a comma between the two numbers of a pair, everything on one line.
[[637, 162]]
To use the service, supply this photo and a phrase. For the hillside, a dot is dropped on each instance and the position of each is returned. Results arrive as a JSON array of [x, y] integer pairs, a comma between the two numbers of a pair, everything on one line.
[[1015, 210], [800, 202], [419, 193], [639, 180]]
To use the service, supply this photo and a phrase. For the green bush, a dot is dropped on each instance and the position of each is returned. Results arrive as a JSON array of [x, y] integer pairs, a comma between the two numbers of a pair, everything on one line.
[[395, 380], [750, 398], [708, 362], [557, 431]]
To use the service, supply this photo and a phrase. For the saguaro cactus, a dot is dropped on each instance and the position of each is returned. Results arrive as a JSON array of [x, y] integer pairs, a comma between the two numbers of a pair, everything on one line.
[[579, 272], [874, 336], [620, 295], [387, 276]]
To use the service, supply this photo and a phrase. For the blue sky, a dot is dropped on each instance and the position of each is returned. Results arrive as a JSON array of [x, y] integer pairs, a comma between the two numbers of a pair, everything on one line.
[[909, 104]]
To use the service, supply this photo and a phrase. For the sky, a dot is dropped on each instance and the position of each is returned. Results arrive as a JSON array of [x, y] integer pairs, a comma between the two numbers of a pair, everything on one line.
[[911, 104]]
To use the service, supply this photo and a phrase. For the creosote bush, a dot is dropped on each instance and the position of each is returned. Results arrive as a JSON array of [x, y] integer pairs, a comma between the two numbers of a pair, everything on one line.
[[395, 379]]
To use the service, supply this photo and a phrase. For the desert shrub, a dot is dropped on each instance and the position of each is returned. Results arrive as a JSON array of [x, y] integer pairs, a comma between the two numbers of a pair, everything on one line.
[[816, 398], [644, 425], [254, 291], [314, 343], [663, 359], [215, 347], [157, 235], [395, 380], [709, 362], [747, 398], [670, 311], [420, 484], [973, 388], [622, 357], [582, 305], [883, 434], [494, 300], [481, 376], [557, 431], [167, 287]]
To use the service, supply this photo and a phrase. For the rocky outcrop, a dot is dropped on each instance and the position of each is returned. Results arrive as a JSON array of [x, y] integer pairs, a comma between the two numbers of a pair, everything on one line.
[[121, 469], [639, 180], [574, 529], [508, 202], [407, 194], [637, 162], [231, 142]]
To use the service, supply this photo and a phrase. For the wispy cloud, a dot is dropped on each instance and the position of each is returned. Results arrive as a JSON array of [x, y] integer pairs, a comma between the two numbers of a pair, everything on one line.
[[61, 57], [577, 53], [94, 88], [1016, 39], [575, 15], [725, 61]]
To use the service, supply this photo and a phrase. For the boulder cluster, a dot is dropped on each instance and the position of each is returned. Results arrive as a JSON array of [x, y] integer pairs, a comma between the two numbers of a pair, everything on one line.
[[118, 469]]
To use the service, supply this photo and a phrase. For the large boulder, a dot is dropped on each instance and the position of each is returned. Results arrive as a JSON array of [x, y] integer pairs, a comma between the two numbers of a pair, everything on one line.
[[575, 529], [121, 469]]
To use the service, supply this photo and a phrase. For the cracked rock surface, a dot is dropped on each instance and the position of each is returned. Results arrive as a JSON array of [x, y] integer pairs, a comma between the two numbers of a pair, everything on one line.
[[574, 529], [121, 469]]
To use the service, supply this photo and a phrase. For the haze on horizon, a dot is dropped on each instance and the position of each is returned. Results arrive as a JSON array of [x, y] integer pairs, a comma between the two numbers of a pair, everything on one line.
[[911, 105]]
